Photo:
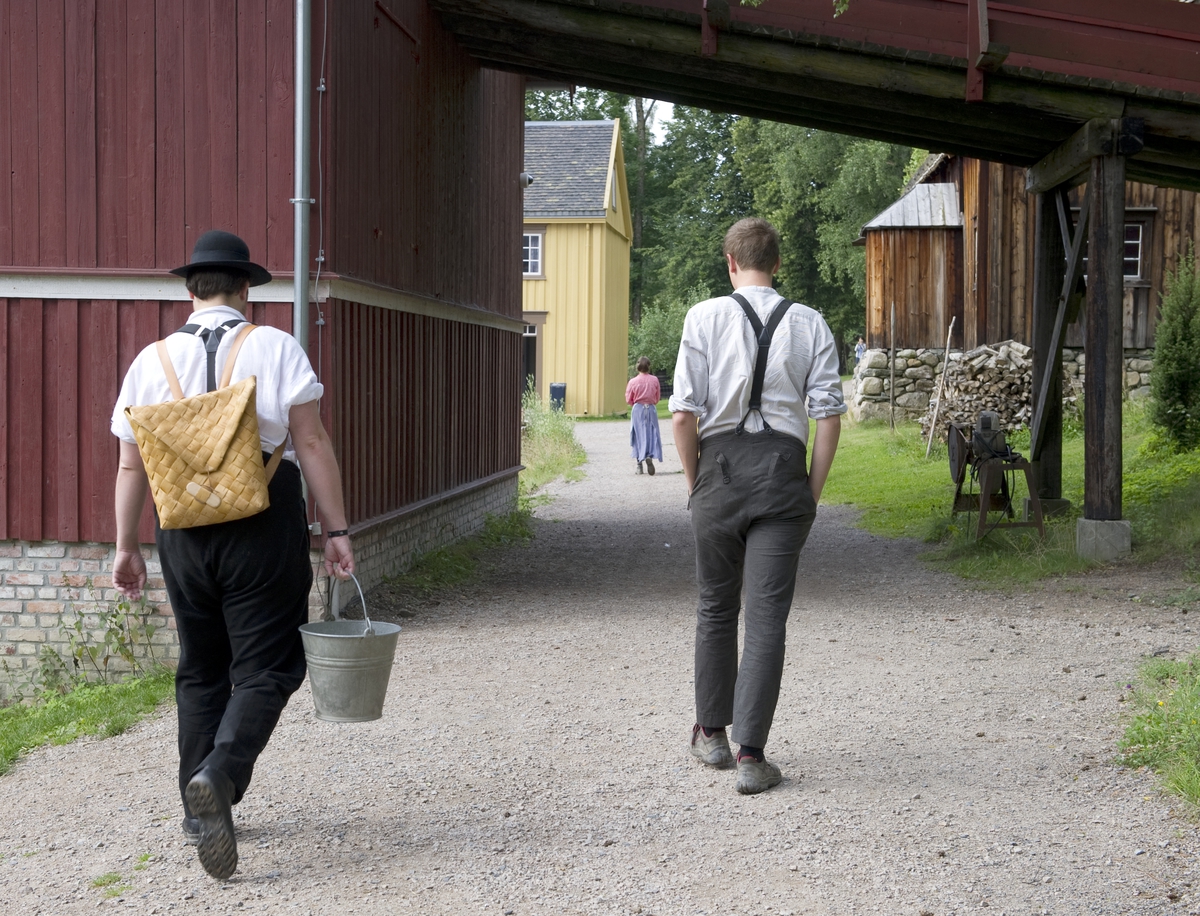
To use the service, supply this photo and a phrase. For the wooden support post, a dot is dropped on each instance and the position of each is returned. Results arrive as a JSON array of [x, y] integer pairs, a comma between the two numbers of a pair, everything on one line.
[[1103, 341], [892, 379], [1049, 267]]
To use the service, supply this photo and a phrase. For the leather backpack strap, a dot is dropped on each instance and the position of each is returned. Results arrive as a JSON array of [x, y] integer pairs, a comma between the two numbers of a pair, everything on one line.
[[172, 379], [276, 457], [227, 376], [238, 340]]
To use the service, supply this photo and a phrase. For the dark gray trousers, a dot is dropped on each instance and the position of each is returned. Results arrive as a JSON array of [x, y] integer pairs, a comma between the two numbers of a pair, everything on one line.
[[751, 512]]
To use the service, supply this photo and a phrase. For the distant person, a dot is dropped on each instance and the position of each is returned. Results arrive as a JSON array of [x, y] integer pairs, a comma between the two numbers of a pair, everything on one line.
[[860, 350], [753, 369], [644, 393]]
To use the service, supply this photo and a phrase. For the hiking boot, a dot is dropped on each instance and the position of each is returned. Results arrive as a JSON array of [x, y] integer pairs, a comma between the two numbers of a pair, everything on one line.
[[712, 750], [650, 466], [209, 796], [639, 467], [754, 776], [191, 830]]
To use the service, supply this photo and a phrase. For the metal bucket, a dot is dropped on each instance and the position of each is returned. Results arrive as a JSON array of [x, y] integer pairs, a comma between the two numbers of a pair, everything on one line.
[[349, 664]]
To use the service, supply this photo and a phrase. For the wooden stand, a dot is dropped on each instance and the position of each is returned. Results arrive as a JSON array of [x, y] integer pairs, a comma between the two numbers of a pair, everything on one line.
[[988, 499]]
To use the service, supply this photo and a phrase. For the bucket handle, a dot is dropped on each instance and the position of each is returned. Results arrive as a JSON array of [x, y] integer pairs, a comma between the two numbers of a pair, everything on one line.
[[337, 608]]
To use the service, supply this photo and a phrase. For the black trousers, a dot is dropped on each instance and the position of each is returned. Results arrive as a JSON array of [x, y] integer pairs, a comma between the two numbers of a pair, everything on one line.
[[240, 593]]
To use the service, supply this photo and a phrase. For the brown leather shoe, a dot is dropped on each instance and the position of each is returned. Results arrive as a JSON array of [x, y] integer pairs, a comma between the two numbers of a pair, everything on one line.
[[711, 750]]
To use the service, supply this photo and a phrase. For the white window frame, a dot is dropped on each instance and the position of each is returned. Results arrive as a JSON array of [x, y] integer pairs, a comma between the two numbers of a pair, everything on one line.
[[527, 262]]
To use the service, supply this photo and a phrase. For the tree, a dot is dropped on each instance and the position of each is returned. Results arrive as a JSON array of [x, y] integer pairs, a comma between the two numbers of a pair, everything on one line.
[[1175, 378]]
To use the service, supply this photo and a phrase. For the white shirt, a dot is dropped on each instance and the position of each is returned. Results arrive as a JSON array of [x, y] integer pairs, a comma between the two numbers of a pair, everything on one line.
[[715, 369], [285, 377]]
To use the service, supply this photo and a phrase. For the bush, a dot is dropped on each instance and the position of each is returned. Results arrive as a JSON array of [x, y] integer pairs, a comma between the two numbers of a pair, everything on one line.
[[548, 444], [1175, 379], [657, 337]]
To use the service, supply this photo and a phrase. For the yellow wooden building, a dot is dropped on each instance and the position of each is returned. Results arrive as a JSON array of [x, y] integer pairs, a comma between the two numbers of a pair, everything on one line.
[[575, 263]]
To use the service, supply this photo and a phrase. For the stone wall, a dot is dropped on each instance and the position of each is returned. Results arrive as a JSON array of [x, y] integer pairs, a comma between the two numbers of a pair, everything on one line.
[[46, 584], [918, 372]]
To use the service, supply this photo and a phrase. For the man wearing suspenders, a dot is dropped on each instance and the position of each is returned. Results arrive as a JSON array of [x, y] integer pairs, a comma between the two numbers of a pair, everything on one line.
[[753, 368]]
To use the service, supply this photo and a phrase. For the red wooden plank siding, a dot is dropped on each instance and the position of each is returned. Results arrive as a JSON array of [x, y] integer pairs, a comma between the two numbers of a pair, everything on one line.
[[112, 131], [280, 60], [80, 120], [6, 141], [25, 417], [222, 113], [198, 141], [51, 225], [139, 206], [5, 462], [60, 447], [426, 405], [22, 69], [171, 248], [252, 125]]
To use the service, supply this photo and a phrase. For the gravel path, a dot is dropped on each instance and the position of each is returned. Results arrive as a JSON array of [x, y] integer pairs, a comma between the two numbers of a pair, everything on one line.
[[945, 751]]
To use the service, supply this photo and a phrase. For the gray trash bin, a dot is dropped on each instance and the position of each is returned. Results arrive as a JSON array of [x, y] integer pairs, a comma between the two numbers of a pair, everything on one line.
[[558, 395]]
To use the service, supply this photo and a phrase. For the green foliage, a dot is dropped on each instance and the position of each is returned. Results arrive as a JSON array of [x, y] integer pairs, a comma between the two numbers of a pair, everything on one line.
[[1163, 732], [580, 105], [92, 709], [819, 188], [105, 641], [694, 192], [657, 336], [1175, 378], [915, 161], [548, 445], [458, 563], [901, 494]]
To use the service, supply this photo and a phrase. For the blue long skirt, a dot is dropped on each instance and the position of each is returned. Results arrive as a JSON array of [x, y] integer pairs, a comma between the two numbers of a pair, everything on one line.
[[644, 439]]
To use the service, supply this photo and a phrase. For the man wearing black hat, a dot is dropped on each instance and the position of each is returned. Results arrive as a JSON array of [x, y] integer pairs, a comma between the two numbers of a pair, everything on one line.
[[239, 589]]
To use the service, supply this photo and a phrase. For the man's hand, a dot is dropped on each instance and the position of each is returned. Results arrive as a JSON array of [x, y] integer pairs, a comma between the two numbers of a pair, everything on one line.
[[129, 573], [339, 557]]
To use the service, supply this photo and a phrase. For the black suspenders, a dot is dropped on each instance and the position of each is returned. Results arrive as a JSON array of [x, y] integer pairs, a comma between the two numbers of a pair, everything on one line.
[[764, 335], [212, 340]]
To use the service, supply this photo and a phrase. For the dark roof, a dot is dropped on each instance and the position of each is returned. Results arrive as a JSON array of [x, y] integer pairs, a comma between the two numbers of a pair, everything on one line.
[[569, 162]]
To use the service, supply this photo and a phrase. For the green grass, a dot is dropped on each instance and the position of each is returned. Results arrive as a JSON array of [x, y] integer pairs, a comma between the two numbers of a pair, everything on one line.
[[457, 563], [548, 445], [1163, 732], [106, 710], [901, 494]]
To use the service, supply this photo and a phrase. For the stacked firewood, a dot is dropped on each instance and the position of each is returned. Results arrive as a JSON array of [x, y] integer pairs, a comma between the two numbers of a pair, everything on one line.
[[997, 377]]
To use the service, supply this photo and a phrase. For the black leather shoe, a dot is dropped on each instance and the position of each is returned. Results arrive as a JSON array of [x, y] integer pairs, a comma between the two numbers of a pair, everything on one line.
[[191, 830], [209, 796]]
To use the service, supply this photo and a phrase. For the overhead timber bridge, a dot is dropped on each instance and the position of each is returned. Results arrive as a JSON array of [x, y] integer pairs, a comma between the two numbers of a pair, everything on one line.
[[1093, 91]]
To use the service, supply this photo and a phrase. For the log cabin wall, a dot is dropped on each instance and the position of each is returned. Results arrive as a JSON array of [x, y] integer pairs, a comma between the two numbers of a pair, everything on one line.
[[127, 130], [918, 270], [993, 264]]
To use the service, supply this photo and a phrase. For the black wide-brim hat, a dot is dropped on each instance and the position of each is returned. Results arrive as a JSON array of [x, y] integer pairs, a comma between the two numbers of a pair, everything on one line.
[[224, 249]]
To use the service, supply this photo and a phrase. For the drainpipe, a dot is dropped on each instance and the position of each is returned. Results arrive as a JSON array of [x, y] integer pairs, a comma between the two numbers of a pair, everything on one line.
[[301, 202]]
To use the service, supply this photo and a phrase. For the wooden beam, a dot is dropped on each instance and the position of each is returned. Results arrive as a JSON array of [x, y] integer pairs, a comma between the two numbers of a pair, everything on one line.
[[1070, 163], [1049, 267], [1073, 240], [1103, 341]]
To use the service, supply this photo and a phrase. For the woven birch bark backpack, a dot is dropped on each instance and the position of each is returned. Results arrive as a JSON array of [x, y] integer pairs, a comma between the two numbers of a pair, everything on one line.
[[203, 455]]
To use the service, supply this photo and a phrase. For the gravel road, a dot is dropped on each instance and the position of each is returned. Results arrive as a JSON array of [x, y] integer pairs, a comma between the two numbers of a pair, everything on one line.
[[945, 750]]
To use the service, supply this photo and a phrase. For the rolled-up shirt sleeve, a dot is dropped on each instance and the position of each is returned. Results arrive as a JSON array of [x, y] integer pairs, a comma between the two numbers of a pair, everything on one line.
[[690, 390], [297, 382], [823, 388]]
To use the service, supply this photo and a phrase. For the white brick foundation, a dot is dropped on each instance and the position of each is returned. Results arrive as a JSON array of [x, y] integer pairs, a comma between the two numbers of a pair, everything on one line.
[[43, 583]]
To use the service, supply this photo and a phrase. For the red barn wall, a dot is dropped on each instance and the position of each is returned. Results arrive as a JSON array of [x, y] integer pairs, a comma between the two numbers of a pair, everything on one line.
[[121, 142]]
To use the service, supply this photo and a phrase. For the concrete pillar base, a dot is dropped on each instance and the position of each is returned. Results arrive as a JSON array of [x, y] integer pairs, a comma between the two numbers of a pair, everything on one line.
[[1102, 540]]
